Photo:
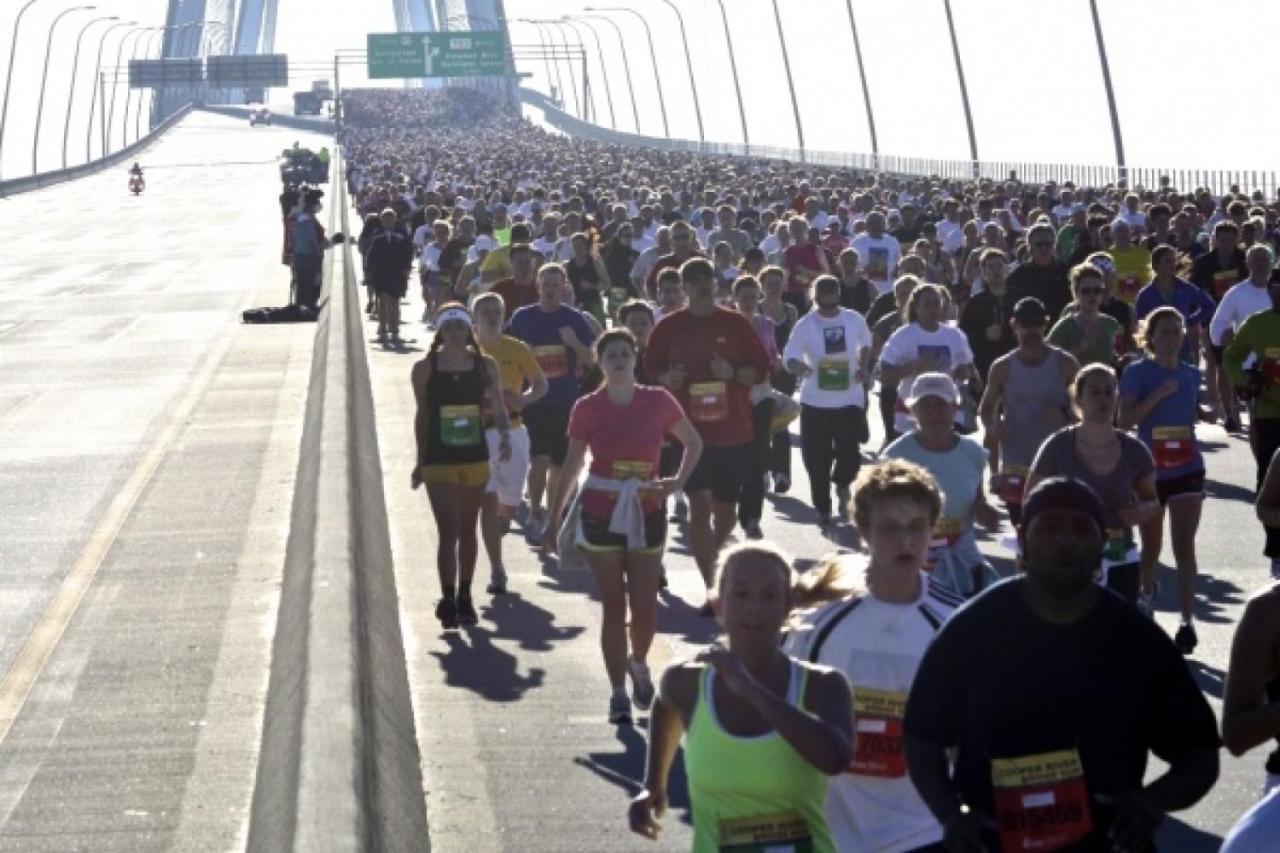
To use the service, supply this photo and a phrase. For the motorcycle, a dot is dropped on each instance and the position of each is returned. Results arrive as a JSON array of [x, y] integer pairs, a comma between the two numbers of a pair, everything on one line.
[[137, 184]]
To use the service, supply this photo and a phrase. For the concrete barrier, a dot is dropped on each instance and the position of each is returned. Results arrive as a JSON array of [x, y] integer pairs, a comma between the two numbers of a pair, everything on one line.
[[17, 186], [339, 767], [315, 124]]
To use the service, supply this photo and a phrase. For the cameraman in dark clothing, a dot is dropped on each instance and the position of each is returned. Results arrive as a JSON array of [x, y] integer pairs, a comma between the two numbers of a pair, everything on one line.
[[388, 264]]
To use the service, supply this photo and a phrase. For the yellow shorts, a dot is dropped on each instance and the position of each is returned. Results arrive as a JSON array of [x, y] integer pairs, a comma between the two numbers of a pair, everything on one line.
[[471, 475]]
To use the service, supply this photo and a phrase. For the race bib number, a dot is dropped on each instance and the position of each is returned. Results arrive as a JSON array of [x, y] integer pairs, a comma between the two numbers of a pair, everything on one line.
[[708, 402], [785, 832], [833, 374], [1012, 482], [877, 728], [945, 534], [1117, 547], [460, 426], [1041, 801], [1172, 447], [1223, 281], [553, 359], [1129, 288]]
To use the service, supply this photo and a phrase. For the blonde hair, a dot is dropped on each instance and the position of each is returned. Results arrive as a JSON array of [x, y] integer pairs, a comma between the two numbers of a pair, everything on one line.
[[828, 581]]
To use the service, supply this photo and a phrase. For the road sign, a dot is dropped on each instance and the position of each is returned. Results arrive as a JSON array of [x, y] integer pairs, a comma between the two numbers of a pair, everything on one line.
[[458, 53], [263, 70], [159, 73]]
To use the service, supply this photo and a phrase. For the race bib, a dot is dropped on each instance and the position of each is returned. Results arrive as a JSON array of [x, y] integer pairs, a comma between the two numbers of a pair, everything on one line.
[[1117, 547], [1173, 447], [553, 359], [1041, 801], [833, 374], [877, 727], [708, 402], [1223, 281], [1129, 288], [460, 426], [945, 534], [631, 469], [1012, 482], [784, 832]]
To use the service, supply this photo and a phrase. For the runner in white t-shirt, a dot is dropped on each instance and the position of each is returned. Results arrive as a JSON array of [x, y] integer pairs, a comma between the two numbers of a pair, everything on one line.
[[878, 253], [924, 345], [877, 636]]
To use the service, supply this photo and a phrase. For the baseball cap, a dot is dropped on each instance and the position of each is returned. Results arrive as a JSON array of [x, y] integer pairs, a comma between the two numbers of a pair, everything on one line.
[[938, 385], [1030, 311], [484, 243], [1063, 493]]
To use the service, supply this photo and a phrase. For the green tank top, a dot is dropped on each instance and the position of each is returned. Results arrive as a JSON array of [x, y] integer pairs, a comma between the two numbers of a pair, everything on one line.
[[752, 794]]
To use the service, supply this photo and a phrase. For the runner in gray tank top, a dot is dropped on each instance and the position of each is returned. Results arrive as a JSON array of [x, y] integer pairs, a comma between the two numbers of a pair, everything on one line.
[[1025, 402]]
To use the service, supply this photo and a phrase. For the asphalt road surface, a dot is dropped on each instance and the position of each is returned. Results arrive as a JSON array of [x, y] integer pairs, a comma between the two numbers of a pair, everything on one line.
[[148, 447], [516, 749]]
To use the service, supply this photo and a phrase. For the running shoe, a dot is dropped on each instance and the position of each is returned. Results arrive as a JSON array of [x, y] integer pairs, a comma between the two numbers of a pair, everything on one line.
[[619, 710], [641, 685], [466, 611], [497, 581], [843, 496], [447, 613], [1186, 639], [781, 483], [533, 527]]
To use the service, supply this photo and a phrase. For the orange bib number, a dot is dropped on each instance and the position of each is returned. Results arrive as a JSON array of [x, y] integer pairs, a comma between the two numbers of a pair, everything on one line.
[[877, 726], [708, 402], [553, 359], [1012, 482], [945, 534], [1172, 447], [1041, 801]]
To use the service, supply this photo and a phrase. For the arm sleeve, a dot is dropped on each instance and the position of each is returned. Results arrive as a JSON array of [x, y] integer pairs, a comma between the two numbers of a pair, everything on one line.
[[1236, 352]]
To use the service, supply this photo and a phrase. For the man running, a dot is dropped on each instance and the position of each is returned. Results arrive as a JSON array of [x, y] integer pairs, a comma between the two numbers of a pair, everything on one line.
[[1051, 694], [710, 357]]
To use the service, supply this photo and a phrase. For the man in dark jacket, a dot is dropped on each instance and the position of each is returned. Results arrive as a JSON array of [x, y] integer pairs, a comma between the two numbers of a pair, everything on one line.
[[1044, 276], [388, 264]]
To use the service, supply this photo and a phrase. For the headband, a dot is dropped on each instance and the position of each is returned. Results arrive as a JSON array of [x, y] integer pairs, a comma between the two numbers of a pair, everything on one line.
[[449, 314]]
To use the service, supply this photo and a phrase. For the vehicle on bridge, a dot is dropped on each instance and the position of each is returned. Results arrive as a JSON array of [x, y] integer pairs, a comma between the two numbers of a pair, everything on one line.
[[307, 103], [259, 115]]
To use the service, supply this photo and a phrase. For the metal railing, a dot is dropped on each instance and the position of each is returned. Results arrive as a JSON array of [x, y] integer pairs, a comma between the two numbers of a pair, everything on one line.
[[1217, 181]]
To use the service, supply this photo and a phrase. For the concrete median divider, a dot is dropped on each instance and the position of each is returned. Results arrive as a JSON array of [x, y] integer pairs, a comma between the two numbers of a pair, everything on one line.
[[17, 186], [339, 768]]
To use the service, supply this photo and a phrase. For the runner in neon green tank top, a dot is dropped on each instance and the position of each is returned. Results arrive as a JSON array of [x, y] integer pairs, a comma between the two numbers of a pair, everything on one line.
[[764, 731]]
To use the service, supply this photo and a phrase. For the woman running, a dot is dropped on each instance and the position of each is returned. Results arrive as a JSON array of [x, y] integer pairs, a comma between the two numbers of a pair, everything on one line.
[[1159, 396], [925, 345], [784, 316], [1087, 333], [1114, 464], [762, 730], [622, 526], [452, 385], [747, 295], [588, 276]]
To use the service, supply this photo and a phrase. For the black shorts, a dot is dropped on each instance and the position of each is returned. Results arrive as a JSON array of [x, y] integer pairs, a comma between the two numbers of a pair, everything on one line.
[[395, 287], [722, 470], [1187, 484], [596, 533], [548, 426], [670, 459]]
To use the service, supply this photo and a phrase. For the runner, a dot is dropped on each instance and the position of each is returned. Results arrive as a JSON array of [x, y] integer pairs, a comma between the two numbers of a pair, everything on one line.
[[1258, 336], [452, 385], [957, 463], [878, 252], [1025, 401], [588, 277], [622, 524], [829, 351], [762, 731], [784, 317], [521, 288], [1117, 467], [882, 328], [560, 338], [876, 636], [1251, 697], [522, 384], [924, 345], [1158, 397], [435, 290], [710, 357], [804, 261], [1166, 288], [1216, 273], [1044, 276], [1050, 727], [1084, 331], [747, 296], [984, 318]]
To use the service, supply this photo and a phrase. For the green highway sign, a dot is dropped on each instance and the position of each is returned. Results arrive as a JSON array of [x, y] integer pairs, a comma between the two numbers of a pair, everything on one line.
[[459, 53]]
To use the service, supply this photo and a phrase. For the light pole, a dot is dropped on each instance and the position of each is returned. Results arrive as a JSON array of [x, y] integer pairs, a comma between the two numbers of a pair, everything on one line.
[[866, 91], [44, 79], [548, 45], [71, 92], [1121, 170], [115, 82], [626, 64], [128, 97], [653, 57], [573, 80], [604, 72], [137, 117], [8, 80], [733, 66], [791, 85], [688, 60], [97, 76], [964, 91]]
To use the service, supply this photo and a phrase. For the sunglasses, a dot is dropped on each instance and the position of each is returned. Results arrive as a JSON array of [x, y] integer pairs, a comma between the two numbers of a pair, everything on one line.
[[1041, 244], [1092, 291]]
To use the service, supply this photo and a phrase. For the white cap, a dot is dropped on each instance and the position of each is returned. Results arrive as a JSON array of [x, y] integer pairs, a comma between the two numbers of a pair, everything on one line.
[[938, 385], [484, 243]]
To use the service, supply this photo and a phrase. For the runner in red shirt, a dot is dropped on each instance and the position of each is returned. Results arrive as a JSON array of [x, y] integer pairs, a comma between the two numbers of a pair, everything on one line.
[[710, 357], [804, 261]]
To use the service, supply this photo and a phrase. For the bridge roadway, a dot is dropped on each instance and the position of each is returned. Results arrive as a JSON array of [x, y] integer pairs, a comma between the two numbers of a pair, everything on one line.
[[148, 445]]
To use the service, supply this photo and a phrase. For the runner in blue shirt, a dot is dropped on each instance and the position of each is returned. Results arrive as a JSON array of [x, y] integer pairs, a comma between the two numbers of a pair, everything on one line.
[[1159, 396], [1195, 306]]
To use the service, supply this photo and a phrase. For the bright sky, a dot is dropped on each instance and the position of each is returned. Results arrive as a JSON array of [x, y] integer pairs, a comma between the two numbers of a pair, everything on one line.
[[1031, 67]]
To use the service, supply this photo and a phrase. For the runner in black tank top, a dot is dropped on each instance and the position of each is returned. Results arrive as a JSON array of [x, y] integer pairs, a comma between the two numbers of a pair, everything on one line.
[[773, 279], [455, 386]]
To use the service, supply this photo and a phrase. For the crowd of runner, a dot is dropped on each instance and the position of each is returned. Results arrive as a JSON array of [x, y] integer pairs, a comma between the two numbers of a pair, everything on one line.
[[624, 338]]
